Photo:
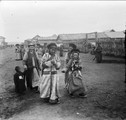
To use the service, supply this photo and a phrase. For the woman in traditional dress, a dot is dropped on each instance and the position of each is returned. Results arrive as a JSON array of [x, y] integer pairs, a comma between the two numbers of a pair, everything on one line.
[[74, 84], [50, 64], [18, 52], [67, 58]]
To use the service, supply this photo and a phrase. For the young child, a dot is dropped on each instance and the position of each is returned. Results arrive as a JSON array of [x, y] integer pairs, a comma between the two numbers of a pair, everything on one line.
[[76, 65], [19, 81], [75, 85]]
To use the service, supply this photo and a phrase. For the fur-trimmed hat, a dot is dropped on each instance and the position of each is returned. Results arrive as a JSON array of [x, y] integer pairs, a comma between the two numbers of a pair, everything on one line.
[[50, 45], [75, 51], [73, 45]]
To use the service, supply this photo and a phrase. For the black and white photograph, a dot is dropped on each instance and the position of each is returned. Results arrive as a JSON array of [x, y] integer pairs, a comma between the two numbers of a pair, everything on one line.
[[62, 60]]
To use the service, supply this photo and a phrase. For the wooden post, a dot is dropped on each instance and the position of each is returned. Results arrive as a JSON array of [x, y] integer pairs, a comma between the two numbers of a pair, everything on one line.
[[96, 36], [86, 42], [125, 37]]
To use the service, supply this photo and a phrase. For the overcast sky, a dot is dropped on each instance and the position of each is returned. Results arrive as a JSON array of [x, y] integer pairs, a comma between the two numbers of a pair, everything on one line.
[[25, 19]]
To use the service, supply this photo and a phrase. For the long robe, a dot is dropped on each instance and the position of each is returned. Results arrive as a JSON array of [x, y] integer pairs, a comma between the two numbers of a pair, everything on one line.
[[18, 53], [74, 84], [49, 80], [98, 54]]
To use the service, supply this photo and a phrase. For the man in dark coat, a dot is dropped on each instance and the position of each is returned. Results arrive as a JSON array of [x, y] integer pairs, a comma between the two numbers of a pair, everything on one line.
[[98, 53], [31, 63], [61, 50]]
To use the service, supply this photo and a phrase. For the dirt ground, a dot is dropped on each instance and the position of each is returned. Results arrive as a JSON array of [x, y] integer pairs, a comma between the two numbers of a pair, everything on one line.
[[106, 97]]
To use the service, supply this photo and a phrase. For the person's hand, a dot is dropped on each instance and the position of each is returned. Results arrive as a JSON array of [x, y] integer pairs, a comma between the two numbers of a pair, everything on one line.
[[25, 67], [53, 62]]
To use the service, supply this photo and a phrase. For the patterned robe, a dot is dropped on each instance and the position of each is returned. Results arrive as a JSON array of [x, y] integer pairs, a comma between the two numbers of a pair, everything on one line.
[[74, 83], [49, 79]]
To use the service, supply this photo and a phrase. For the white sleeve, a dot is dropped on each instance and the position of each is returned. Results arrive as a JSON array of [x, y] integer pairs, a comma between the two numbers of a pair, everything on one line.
[[25, 56], [66, 56], [58, 62], [44, 59]]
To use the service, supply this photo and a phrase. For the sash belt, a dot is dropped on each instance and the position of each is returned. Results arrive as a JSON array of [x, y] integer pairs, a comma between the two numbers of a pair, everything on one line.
[[49, 72]]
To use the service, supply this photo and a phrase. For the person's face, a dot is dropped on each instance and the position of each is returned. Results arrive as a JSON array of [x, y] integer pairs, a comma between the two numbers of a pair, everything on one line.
[[75, 55], [52, 50], [70, 48], [31, 48]]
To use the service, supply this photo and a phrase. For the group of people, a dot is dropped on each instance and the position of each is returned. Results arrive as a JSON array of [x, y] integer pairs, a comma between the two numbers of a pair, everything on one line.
[[19, 50], [41, 73]]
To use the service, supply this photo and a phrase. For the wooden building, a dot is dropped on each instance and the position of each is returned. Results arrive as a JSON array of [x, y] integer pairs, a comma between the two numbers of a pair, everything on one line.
[[79, 39], [112, 42], [115, 43], [44, 40]]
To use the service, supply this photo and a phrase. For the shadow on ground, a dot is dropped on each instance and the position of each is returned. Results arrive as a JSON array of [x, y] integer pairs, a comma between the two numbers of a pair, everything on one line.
[[12, 103]]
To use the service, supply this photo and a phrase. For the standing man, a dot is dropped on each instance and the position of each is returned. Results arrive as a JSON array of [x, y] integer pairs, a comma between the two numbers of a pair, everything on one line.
[[98, 53], [22, 51], [61, 50], [31, 67]]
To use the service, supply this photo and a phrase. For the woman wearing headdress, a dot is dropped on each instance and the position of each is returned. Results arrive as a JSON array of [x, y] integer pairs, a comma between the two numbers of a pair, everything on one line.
[[50, 64], [74, 85], [67, 58]]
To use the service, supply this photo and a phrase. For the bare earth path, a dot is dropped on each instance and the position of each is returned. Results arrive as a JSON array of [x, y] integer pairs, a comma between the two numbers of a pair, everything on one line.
[[106, 98]]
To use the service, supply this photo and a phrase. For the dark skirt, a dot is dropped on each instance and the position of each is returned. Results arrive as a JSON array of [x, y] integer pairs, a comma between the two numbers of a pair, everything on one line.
[[98, 57], [74, 83], [20, 87], [19, 83]]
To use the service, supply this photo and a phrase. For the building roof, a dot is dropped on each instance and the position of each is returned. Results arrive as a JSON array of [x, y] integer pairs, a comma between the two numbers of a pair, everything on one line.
[[99, 35], [119, 34], [81, 36], [76, 36], [1, 37], [37, 37]]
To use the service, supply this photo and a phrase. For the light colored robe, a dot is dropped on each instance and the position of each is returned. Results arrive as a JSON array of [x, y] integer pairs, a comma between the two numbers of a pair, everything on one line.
[[49, 82], [18, 53]]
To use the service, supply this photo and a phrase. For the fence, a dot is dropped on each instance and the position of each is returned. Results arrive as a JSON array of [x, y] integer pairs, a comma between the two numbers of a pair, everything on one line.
[[114, 47]]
